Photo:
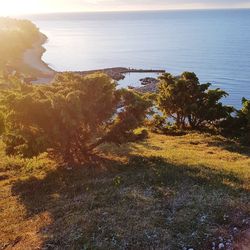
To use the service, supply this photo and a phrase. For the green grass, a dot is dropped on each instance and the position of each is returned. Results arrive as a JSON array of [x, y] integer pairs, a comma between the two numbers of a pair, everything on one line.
[[163, 193]]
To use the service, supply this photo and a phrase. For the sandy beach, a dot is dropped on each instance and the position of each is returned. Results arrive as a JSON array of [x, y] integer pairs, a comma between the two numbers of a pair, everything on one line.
[[33, 58]]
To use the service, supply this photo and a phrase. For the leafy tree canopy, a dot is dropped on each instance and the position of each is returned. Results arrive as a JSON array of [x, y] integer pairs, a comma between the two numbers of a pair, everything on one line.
[[190, 103], [15, 37], [72, 116]]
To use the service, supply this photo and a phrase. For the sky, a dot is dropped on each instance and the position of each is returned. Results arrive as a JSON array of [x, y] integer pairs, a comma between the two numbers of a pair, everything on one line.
[[15, 7]]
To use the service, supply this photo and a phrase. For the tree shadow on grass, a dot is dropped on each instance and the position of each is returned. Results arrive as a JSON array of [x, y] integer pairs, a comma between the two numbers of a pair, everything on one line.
[[231, 146], [79, 200]]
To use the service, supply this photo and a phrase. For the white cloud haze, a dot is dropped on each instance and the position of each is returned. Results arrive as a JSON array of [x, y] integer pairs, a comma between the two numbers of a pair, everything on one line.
[[36, 6]]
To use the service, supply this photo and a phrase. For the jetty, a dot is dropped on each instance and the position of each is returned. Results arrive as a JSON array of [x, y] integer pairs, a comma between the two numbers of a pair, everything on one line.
[[118, 73]]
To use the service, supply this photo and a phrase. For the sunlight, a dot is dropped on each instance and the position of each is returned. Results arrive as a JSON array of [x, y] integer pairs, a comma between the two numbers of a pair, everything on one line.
[[16, 7], [20, 7]]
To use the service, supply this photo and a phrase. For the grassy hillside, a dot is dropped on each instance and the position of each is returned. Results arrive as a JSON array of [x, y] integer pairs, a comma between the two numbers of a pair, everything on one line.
[[164, 193]]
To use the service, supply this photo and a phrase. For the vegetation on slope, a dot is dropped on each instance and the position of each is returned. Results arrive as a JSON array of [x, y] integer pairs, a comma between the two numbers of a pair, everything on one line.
[[190, 103], [163, 193], [72, 116], [15, 37], [194, 106], [114, 192]]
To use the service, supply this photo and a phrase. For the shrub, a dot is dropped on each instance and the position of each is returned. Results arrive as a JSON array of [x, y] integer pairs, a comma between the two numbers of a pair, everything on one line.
[[72, 116], [157, 124], [190, 103], [239, 125]]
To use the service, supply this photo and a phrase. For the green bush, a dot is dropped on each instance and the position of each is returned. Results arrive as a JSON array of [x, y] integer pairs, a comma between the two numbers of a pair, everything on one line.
[[239, 125], [189, 103], [73, 116], [157, 124]]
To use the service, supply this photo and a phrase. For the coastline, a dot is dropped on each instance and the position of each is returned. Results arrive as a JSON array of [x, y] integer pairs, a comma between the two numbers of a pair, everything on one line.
[[32, 58], [41, 73], [119, 73]]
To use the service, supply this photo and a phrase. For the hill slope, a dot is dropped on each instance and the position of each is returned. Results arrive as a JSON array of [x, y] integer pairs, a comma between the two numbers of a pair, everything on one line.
[[164, 193]]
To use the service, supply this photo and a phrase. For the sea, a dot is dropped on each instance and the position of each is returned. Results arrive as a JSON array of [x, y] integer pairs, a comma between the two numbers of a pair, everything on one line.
[[215, 44]]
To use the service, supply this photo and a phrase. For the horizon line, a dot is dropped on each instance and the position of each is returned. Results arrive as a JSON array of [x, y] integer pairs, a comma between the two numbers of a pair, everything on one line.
[[128, 10]]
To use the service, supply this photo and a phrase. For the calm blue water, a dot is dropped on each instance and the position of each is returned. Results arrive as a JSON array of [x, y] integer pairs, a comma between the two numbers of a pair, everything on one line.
[[214, 44], [133, 79]]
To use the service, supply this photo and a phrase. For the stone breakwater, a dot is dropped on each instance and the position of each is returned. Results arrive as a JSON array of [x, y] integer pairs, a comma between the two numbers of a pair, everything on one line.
[[149, 84], [119, 72]]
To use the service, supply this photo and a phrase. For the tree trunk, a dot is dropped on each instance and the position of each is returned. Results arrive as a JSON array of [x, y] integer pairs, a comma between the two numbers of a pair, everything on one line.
[[178, 123]]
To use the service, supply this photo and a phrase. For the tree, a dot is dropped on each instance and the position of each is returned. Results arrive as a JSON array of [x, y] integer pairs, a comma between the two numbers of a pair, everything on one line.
[[244, 115], [188, 102], [238, 125], [245, 112], [15, 37], [72, 116]]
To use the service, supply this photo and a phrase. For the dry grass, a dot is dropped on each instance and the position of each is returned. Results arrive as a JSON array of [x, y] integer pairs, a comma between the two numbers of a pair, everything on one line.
[[163, 193]]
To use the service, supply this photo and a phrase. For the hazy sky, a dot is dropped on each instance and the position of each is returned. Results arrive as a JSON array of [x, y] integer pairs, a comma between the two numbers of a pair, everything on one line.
[[8, 7]]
